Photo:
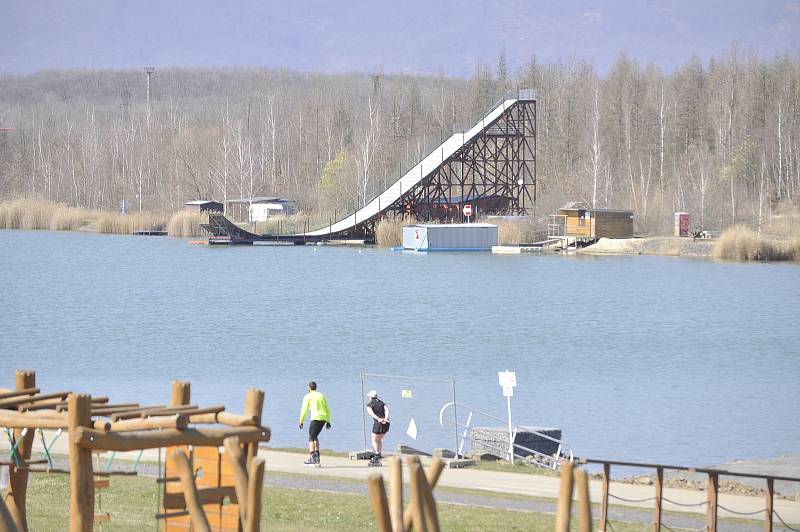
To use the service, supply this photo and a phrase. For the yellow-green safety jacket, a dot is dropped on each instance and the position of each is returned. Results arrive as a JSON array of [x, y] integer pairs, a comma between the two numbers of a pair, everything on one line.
[[318, 405]]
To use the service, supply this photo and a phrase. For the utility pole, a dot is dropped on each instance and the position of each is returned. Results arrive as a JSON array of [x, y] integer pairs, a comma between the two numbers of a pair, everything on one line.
[[125, 104], [149, 71]]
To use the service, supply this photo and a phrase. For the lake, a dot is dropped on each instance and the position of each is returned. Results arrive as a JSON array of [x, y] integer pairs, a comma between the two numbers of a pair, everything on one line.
[[654, 359]]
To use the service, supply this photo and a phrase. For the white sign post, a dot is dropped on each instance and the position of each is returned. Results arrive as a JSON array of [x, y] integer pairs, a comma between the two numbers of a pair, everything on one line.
[[468, 211], [508, 380]]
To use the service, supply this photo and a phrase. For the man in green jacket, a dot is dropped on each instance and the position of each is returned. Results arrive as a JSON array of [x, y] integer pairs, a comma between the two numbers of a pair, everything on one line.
[[316, 403]]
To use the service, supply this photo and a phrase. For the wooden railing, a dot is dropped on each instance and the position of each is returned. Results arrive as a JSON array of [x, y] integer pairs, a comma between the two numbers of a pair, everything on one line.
[[712, 492]]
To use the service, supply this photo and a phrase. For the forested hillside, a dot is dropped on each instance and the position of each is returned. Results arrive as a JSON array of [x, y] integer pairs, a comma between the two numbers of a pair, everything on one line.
[[720, 140]]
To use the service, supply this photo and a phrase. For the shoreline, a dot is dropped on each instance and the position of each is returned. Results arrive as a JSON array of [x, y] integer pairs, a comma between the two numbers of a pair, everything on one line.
[[672, 246]]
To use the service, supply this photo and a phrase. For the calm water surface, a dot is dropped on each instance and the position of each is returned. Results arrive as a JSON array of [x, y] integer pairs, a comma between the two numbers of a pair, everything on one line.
[[638, 358]]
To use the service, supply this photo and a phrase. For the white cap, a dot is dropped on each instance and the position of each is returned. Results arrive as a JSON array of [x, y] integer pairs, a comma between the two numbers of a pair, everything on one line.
[[372, 393]]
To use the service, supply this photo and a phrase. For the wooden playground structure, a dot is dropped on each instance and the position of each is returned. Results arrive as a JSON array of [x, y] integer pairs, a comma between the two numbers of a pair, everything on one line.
[[421, 514], [192, 499]]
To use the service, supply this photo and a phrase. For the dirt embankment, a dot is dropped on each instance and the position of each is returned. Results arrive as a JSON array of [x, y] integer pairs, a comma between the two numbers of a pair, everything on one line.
[[658, 245]]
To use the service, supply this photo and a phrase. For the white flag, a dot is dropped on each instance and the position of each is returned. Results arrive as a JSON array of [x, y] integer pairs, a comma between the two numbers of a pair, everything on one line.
[[412, 429]]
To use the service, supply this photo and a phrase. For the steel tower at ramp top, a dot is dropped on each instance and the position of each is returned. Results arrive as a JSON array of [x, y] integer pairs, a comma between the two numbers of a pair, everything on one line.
[[494, 162]]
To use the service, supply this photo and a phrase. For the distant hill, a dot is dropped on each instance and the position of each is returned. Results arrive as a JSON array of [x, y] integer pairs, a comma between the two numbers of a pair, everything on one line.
[[413, 36]]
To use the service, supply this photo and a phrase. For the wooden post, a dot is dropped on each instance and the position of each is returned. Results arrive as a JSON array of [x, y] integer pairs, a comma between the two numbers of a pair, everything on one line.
[[181, 393], [396, 500], [190, 495], [253, 407], [417, 503], [712, 494], [431, 514], [377, 493], [769, 506], [584, 504], [17, 494], [433, 474], [564, 506], [7, 523], [81, 478], [604, 504], [658, 499], [255, 485], [234, 452]]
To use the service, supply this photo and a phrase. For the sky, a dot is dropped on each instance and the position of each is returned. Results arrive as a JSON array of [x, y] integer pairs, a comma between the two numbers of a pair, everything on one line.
[[408, 36]]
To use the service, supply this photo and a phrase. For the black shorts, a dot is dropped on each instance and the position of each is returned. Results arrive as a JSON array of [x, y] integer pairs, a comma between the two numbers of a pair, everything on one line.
[[314, 428], [380, 428]]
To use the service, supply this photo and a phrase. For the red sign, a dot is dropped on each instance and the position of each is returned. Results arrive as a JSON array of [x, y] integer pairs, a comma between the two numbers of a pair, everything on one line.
[[468, 210]]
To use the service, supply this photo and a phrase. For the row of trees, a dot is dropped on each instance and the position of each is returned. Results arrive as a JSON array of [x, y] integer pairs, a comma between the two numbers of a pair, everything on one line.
[[720, 140]]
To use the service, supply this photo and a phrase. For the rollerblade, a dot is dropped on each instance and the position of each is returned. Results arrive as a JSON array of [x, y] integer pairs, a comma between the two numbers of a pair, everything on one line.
[[313, 461]]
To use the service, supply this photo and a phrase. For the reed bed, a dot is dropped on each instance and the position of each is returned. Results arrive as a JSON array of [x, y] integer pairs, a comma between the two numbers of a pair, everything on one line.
[[184, 224], [518, 231], [119, 224], [42, 214], [284, 225], [740, 243], [389, 231]]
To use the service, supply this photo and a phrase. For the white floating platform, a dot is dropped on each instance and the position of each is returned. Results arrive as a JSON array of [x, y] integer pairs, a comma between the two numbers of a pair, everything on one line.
[[516, 250]]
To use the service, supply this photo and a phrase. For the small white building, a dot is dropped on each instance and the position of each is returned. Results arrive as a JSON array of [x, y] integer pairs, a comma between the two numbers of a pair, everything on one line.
[[450, 237], [259, 209], [260, 212]]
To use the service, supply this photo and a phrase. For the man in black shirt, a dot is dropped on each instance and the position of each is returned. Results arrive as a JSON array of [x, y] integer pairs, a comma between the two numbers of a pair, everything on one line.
[[379, 412]]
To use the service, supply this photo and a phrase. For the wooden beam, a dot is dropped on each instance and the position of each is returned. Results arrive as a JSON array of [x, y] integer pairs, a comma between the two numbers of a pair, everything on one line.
[[190, 411], [101, 483], [59, 405], [45, 412], [564, 505], [396, 497], [24, 463], [107, 410], [57, 471], [18, 393], [380, 506], [135, 412], [81, 480], [17, 420], [581, 480], [16, 401], [176, 421], [658, 500], [102, 518], [255, 485], [165, 411], [101, 425], [712, 488], [138, 440], [17, 494], [224, 418], [198, 516]]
